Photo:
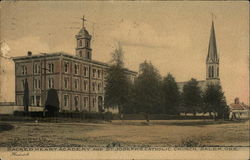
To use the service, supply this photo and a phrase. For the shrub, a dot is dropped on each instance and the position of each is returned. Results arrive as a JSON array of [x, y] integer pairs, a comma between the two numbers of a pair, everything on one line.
[[108, 116]]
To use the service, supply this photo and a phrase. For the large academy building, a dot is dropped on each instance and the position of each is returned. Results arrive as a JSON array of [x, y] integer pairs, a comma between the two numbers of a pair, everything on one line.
[[78, 79], [212, 64]]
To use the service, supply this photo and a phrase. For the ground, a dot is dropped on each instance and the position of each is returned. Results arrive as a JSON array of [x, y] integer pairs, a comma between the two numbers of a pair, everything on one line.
[[126, 133]]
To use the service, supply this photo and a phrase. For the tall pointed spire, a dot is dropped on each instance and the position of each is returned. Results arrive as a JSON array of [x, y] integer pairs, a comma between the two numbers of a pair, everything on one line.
[[212, 61], [212, 48]]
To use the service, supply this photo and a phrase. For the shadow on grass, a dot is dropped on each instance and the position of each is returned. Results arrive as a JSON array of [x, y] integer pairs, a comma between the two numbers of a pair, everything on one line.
[[5, 127], [198, 123]]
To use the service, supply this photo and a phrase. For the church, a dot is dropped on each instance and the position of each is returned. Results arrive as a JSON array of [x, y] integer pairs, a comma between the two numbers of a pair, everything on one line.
[[78, 79], [212, 64]]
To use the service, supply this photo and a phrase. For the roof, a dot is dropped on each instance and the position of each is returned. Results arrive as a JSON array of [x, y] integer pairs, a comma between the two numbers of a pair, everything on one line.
[[234, 106], [84, 32], [201, 84], [42, 55], [212, 48]]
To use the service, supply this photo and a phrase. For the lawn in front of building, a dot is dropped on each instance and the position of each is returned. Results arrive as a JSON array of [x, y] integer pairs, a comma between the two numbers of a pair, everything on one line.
[[126, 133]]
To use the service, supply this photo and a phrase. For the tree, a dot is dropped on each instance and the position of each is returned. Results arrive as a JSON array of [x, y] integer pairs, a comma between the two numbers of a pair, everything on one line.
[[148, 95], [26, 96], [52, 102], [171, 95], [117, 83], [192, 98], [214, 100]]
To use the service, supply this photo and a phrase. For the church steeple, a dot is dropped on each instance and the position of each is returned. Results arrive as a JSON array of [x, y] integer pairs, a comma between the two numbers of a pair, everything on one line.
[[83, 39], [212, 60], [212, 48]]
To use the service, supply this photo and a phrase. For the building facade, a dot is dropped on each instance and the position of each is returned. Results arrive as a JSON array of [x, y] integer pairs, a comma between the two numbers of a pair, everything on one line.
[[78, 79], [212, 64]]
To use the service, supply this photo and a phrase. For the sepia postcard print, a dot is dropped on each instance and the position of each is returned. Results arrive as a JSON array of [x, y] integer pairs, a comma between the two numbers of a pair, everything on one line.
[[130, 80]]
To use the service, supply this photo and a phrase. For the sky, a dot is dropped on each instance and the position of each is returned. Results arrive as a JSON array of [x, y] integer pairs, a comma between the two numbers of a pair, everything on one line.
[[173, 35]]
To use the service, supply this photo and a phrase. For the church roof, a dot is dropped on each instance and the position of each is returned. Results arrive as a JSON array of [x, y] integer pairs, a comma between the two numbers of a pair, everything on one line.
[[212, 48], [202, 84], [83, 32]]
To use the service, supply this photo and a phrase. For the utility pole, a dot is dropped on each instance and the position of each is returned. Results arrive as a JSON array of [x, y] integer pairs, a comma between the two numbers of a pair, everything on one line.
[[44, 87]]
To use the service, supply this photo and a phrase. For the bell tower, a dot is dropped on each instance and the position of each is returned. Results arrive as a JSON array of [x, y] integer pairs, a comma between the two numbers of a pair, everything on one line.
[[83, 39], [212, 61]]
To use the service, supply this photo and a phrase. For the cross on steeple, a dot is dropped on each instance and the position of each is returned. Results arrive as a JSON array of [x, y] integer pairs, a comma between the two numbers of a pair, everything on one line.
[[83, 19], [213, 16]]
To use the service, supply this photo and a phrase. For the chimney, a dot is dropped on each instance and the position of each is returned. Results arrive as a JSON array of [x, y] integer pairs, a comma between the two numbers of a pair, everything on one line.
[[29, 53], [237, 100]]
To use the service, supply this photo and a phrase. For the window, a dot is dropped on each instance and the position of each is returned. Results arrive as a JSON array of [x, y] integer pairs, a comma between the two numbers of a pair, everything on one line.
[[85, 71], [37, 69], [94, 102], [212, 71], [35, 83], [39, 83], [32, 100], [23, 83], [94, 72], [24, 70], [93, 86], [80, 53], [76, 99], [76, 69], [99, 86], [38, 100], [51, 68], [209, 72], [66, 100], [88, 55], [66, 82], [76, 82], [87, 44], [85, 84], [217, 71], [85, 101], [99, 73], [51, 83], [80, 42], [66, 67]]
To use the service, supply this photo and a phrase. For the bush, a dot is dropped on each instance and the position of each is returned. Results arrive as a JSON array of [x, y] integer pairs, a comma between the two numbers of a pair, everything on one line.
[[108, 116]]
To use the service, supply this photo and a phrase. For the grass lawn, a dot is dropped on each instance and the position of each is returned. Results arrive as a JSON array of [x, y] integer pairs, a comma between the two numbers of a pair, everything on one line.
[[126, 133]]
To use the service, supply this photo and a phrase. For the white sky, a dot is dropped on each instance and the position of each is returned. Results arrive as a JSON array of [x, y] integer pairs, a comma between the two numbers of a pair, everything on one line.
[[172, 35]]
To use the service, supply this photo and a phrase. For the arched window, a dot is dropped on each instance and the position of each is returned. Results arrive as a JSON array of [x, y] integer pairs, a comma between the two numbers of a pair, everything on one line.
[[209, 71], [217, 71], [212, 71]]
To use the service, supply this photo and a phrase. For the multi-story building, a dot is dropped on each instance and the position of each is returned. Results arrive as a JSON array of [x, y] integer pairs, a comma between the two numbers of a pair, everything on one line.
[[78, 79]]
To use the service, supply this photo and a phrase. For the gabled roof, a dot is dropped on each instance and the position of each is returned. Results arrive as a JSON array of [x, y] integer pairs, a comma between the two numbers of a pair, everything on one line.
[[234, 106], [212, 55]]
